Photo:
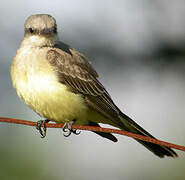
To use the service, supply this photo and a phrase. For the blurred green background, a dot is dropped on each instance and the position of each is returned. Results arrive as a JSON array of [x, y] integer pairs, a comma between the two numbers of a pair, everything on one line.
[[138, 49]]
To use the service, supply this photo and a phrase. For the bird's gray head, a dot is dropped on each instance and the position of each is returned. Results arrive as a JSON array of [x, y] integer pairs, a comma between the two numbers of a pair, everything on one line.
[[40, 24]]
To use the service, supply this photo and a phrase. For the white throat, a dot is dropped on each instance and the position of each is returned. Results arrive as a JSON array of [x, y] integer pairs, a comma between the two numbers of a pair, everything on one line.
[[39, 40]]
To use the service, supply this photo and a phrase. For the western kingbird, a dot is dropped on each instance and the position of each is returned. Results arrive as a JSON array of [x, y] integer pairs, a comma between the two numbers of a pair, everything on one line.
[[59, 83]]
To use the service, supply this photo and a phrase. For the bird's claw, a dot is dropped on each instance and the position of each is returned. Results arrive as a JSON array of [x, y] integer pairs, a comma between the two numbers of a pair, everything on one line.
[[41, 130], [67, 129]]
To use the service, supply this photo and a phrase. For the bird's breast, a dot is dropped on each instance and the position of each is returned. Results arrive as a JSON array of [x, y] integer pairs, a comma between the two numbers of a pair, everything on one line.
[[38, 86]]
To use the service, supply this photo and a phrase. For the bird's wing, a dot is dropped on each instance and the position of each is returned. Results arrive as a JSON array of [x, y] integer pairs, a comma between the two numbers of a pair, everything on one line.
[[76, 72]]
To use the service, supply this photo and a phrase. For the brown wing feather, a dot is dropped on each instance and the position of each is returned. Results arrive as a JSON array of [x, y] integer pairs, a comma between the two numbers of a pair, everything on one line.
[[75, 71]]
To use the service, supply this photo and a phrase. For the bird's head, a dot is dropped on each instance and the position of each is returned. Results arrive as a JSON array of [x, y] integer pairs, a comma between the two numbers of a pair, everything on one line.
[[41, 28], [40, 24]]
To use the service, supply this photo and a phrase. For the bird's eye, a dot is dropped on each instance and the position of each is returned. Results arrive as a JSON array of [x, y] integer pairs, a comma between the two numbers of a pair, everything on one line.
[[31, 30], [55, 29]]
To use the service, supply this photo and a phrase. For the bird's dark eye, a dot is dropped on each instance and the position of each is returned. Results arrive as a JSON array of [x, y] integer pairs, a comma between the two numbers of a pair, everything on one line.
[[55, 29], [31, 30]]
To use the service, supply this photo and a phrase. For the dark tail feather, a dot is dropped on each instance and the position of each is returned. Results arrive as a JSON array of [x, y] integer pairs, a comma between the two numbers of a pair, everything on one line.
[[103, 134], [131, 126]]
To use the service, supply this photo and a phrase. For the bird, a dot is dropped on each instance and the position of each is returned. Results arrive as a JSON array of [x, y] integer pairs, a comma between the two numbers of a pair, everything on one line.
[[60, 84]]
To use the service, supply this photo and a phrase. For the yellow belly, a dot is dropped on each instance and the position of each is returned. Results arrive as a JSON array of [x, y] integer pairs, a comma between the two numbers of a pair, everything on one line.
[[52, 99], [38, 86]]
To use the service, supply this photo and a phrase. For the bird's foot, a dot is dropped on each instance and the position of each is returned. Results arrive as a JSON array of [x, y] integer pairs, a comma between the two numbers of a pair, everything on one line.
[[41, 130], [68, 129]]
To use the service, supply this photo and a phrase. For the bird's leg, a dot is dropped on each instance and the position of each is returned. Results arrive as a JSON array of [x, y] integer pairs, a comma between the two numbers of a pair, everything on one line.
[[41, 130], [68, 129]]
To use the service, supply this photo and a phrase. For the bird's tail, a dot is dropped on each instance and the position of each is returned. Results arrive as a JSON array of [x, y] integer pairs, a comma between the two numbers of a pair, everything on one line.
[[131, 126]]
